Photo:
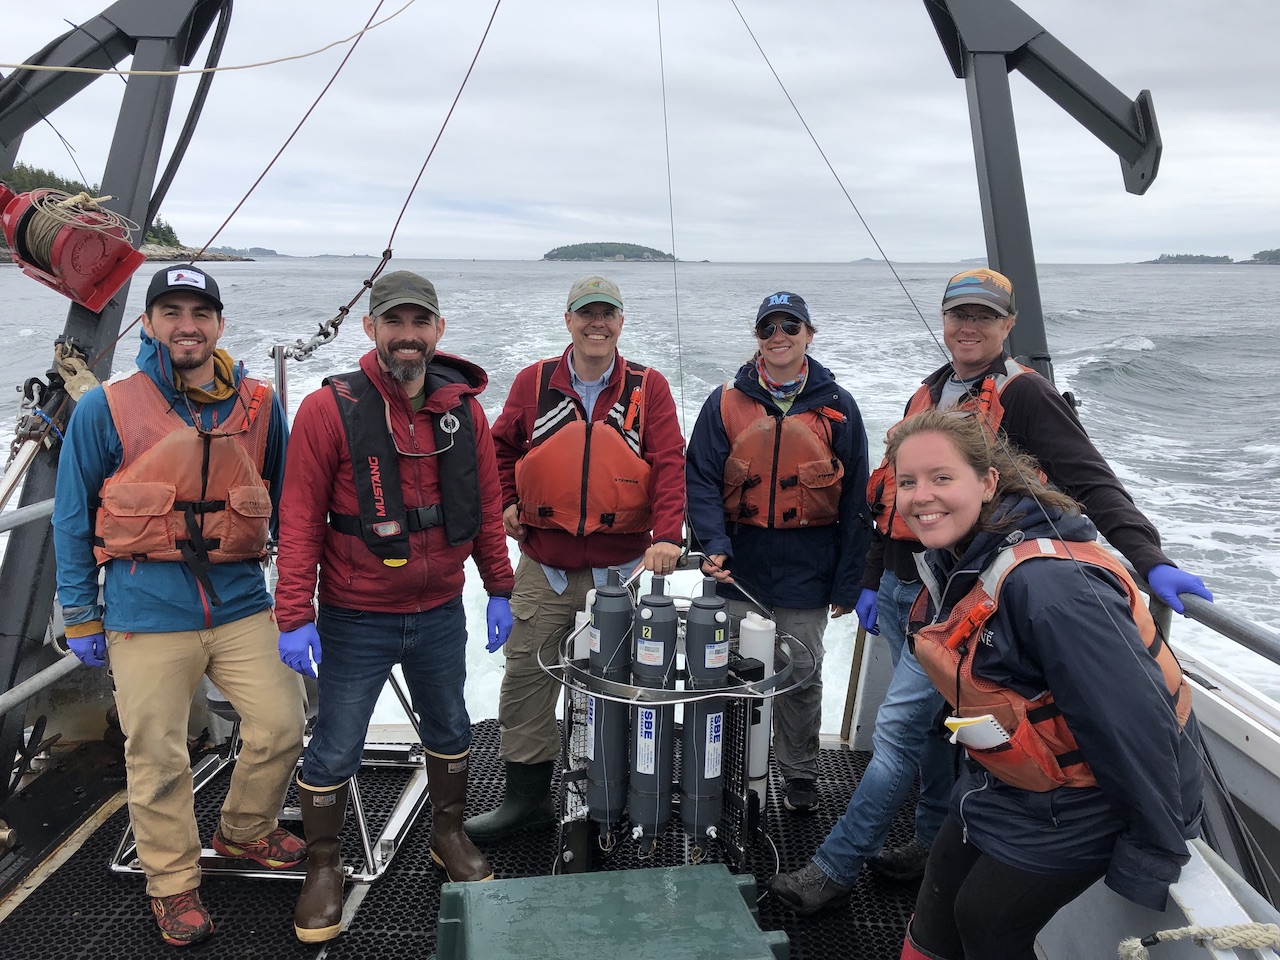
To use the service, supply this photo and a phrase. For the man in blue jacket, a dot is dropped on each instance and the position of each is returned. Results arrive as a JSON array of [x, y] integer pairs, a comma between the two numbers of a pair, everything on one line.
[[168, 480], [775, 475]]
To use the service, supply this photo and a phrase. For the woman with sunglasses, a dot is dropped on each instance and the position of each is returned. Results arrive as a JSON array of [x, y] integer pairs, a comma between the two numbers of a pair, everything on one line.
[[1082, 750], [775, 471]]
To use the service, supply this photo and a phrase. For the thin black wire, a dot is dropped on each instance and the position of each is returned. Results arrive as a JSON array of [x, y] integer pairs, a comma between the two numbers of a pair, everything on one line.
[[288, 140], [435, 143], [1210, 771], [16, 80], [671, 212], [161, 188], [840, 183]]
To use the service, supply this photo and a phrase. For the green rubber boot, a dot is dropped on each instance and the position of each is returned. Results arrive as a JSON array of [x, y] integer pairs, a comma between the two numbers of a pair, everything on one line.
[[526, 804]]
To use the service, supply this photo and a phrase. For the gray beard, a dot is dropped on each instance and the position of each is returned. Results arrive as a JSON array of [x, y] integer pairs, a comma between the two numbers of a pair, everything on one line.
[[404, 371]]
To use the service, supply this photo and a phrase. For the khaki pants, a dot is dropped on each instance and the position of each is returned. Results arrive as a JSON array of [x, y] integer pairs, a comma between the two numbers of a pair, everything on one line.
[[797, 716], [527, 702], [156, 675]]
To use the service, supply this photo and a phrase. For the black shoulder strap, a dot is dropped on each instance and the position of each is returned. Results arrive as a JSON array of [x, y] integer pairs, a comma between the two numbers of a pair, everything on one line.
[[455, 434], [383, 521]]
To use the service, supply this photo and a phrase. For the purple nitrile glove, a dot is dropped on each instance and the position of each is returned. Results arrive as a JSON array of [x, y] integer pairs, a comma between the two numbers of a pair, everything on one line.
[[300, 649], [866, 609], [89, 650], [1167, 582], [497, 619]]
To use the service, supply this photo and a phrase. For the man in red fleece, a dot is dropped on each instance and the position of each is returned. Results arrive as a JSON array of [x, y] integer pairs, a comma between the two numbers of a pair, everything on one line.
[[391, 486], [592, 465]]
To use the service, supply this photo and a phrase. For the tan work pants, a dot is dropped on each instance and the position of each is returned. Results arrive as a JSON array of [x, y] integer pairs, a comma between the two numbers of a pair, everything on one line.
[[527, 701], [156, 675]]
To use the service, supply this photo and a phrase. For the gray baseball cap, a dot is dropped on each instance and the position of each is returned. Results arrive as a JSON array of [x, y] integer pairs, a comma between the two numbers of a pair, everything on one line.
[[594, 290]]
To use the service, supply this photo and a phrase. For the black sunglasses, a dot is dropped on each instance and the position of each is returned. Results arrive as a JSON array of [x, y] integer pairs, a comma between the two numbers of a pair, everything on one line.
[[767, 328]]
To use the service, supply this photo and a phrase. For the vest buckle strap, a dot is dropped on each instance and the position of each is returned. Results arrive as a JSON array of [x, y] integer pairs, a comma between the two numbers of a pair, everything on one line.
[[423, 518], [199, 506]]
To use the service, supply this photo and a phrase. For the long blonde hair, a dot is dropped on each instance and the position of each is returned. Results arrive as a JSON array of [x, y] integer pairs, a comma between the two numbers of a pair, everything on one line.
[[1017, 473]]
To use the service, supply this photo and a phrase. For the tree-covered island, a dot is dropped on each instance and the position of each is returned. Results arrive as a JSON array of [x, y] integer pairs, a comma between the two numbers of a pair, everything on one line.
[[1262, 256], [1265, 256], [606, 251], [1188, 258], [160, 243]]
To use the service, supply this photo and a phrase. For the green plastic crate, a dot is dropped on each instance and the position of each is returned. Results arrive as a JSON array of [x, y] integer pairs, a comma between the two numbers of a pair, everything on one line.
[[671, 913]]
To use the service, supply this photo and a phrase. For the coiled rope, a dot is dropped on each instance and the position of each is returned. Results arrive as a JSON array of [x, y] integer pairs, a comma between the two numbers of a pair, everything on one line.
[[53, 210], [1250, 936]]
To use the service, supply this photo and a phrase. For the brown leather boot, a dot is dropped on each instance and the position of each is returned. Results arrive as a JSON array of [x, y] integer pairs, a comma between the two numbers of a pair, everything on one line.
[[450, 847], [318, 914]]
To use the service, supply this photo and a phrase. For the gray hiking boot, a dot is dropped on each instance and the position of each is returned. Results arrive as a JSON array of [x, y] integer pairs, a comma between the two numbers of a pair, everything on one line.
[[809, 890], [902, 863]]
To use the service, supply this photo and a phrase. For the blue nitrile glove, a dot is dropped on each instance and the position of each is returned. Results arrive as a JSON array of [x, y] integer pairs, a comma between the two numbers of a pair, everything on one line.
[[497, 620], [89, 650], [865, 608], [300, 648], [1167, 582]]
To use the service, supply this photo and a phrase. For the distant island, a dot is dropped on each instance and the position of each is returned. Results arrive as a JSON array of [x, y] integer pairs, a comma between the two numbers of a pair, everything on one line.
[[1188, 258], [251, 252], [176, 253], [1265, 256], [1262, 256], [606, 251]]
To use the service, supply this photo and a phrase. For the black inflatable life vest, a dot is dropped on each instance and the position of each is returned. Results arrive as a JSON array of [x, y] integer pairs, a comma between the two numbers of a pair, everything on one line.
[[384, 523]]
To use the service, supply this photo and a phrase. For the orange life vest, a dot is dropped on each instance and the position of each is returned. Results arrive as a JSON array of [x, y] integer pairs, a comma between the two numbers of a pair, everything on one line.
[[182, 494], [882, 489], [1041, 754], [583, 476], [781, 472]]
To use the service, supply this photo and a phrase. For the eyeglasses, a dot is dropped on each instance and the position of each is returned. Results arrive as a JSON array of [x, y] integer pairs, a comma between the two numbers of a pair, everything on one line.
[[981, 319], [767, 328], [607, 314]]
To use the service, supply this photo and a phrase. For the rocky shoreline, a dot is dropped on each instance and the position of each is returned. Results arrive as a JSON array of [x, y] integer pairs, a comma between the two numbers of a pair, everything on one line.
[[159, 254]]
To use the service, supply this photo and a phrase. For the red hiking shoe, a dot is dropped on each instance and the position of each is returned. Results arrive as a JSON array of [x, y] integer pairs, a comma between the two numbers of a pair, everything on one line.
[[182, 918], [276, 850]]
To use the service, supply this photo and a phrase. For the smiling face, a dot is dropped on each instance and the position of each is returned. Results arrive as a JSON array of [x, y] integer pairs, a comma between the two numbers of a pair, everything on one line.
[[189, 326], [405, 337], [940, 495], [975, 336], [595, 328], [783, 352]]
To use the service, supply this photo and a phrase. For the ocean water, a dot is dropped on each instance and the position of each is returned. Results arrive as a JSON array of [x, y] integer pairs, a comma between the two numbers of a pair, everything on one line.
[[1174, 367]]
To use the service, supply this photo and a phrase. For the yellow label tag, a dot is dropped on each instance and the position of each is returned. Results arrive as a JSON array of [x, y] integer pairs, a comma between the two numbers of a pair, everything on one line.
[[646, 632], [394, 563]]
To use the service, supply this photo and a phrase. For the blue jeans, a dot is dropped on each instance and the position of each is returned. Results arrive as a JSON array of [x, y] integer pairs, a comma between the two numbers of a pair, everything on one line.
[[903, 741], [359, 648]]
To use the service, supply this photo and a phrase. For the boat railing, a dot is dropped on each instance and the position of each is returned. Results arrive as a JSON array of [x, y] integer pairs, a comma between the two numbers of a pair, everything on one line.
[[1263, 641], [1255, 637]]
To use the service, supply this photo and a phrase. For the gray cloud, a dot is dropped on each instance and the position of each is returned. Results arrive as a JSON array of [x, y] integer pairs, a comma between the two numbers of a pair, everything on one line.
[[559, 137]]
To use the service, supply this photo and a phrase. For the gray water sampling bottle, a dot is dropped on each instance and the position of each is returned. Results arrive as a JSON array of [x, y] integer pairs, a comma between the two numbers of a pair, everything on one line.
[[653, 664], [607, 750], [706, 643]]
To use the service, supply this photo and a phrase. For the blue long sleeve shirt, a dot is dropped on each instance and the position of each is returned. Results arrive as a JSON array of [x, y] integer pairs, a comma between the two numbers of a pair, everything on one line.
[[146, 597]]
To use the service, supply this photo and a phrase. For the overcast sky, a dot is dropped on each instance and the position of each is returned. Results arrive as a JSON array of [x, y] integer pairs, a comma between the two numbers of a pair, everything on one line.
[[559, 136]]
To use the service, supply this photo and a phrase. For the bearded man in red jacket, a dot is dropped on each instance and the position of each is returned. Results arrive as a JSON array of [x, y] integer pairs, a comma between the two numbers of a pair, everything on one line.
[[390, 485]]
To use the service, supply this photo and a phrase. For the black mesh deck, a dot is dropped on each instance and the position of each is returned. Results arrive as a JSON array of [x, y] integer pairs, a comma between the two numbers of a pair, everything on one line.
[[83, 910]]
